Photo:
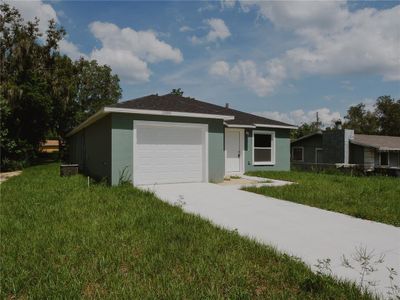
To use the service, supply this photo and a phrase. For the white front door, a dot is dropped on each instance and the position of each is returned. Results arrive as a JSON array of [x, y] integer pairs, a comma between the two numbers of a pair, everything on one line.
[[234, 150]]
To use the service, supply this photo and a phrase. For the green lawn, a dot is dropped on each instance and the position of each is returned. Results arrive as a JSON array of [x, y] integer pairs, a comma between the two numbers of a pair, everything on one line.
[[61, 239], [374, 198]]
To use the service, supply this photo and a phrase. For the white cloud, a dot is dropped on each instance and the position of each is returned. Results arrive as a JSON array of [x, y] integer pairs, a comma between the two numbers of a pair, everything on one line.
[[220, 68], [228, 4], [218, 32], [31, 9], [334, 41], [246, 72], [71, 50], [185, 28], [346, 84], [207, 7], [301, 15], [45, 12], [337, 40], [299, 116], [126, 64], [128, 52]]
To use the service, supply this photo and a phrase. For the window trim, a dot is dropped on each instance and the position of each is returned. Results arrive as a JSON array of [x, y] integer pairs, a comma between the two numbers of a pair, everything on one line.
[[302, 153], [380, 158], [273, 147]]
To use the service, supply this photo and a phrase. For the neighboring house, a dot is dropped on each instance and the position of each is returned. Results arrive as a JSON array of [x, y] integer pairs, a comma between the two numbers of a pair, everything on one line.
[[49, 146], [343, 147], [170, 138]]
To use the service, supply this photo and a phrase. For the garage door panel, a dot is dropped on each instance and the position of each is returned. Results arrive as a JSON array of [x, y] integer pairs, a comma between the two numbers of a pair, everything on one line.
[[158, 135], [168, 153]]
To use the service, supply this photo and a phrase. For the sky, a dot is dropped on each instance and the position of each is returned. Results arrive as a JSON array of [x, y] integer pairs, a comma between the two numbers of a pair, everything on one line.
[[285, 60]]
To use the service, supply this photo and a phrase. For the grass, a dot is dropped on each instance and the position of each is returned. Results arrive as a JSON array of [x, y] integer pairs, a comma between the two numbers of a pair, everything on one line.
[[374, 198], [62, 239]]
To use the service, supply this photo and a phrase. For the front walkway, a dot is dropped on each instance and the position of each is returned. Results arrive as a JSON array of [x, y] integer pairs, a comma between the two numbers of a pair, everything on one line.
[[299, 230]]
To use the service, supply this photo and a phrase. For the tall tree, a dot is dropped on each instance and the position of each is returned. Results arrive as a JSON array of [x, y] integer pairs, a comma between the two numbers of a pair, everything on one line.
[[388, 115], [305, 129], [24, 81], [96, 87], [41, 91], [178, 92], [361, 120]]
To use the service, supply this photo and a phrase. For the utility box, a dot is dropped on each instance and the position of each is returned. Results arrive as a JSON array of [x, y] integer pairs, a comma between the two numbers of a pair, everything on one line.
[[69, 170]]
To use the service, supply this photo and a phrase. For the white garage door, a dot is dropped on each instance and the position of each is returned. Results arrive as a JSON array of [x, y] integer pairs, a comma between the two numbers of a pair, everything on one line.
[[166, 152]]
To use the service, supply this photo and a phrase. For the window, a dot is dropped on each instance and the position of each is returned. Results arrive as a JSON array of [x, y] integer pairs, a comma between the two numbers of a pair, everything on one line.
[[384, 158], [297, 153], [263, 148]]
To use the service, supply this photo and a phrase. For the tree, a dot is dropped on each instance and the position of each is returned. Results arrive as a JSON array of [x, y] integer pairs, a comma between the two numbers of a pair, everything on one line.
[[361, 120], [178, 92], [24, 82], [305, 129], [96, 87], [43, 93], [388, 115]]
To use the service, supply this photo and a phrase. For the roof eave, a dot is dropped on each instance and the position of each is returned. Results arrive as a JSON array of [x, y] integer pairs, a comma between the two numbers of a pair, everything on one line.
[[239, 125], [276, 126], [106, 110], [364, 144], [306, 136], [168, 113], [388, 149], [93, 118]]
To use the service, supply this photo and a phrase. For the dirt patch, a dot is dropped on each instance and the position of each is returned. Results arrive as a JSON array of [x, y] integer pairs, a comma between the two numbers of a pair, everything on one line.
[[238, 181], [4, 176]]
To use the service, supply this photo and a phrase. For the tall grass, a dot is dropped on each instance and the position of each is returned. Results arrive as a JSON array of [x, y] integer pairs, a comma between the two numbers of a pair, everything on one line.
[[62, 239], [374, 198]]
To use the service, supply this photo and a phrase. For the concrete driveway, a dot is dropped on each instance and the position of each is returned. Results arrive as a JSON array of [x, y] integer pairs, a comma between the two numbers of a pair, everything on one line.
[[303, 231]]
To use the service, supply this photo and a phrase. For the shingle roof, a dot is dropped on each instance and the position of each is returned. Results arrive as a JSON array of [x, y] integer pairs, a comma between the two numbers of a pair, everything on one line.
[[170, 102], [319, 132], [380, 142]]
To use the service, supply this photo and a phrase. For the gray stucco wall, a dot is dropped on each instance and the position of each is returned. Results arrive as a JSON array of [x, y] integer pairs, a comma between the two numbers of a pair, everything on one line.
[[77, 149], [91, 149], [333, 145], [122, 143], [282, 151], [356, 154], [309, 145]]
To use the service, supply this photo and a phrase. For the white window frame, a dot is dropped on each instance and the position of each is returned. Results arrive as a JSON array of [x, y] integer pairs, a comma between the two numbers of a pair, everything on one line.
[[265, 163], [316, 154], [302, 153], [380, 158]]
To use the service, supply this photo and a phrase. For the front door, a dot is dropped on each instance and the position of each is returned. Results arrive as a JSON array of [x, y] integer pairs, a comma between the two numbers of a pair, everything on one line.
[[318, 155], [233, 150]]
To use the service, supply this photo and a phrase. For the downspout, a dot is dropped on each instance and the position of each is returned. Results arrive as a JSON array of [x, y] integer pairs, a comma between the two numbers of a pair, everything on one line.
[[348, 135]]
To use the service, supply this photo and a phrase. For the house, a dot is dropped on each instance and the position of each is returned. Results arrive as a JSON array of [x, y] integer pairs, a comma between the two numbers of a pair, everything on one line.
[[49, 146], [344, 147], [170, 139]]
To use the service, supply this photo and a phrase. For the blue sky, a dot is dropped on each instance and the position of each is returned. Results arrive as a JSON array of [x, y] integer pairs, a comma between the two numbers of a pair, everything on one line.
[[284, 60]]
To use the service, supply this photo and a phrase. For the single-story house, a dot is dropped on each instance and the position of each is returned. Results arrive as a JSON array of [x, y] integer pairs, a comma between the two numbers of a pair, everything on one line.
[[344, 147], [170, 139]]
